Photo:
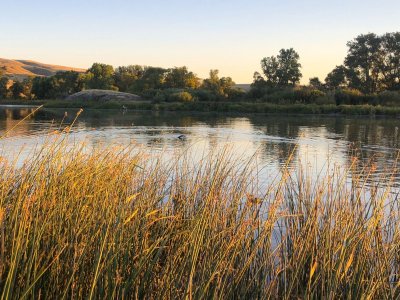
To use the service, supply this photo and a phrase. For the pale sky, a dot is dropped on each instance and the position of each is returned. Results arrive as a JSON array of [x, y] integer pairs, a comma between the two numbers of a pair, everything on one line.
[[229, 35]]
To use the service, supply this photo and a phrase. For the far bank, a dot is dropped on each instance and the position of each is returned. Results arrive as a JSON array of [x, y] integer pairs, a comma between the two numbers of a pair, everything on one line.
[[234, 107]]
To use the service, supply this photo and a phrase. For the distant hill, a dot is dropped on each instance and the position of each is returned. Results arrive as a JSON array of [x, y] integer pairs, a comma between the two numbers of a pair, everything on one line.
[[20, 69], [244, 86]]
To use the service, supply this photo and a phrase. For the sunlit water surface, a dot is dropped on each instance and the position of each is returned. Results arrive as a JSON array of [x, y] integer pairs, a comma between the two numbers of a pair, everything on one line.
[[316, 143]]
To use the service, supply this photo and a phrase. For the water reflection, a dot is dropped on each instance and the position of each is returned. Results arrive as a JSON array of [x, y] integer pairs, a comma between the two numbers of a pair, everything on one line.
[[9, 118], [317, 141]]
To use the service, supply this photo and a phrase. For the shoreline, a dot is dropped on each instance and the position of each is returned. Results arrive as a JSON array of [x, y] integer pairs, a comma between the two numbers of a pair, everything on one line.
[[220, 107]]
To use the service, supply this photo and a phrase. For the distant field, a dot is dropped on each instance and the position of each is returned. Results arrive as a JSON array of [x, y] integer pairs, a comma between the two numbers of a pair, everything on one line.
[[20, 69]]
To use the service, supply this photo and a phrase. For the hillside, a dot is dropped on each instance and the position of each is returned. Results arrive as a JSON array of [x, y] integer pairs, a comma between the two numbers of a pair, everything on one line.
[[20, 69]]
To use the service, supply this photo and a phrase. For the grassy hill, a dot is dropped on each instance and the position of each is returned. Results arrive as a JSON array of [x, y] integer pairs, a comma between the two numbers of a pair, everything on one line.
[[20, 69]]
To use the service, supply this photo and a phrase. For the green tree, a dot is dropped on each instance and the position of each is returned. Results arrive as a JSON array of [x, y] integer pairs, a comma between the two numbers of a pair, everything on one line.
[[222, 87], [100, 76], [258, 86], [27, 87], [17, 90], [212, 82], [336, 78], [125, 77], [152, 79], [258, 80], [227, 86], [68, 83], [181, 78], [315, 83], [282, 70], [289, 71], [3, 87], [270, 67], [364, 62], [41, 87], [391, 61], [58, 86]]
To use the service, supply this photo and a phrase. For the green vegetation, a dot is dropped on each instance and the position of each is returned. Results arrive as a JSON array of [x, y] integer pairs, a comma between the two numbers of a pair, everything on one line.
[[112, 223], [282, 70], [235, 107], [372, 65], [369, 76]]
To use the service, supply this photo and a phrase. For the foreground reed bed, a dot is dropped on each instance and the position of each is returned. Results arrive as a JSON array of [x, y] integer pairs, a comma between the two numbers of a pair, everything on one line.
[[112, 224]]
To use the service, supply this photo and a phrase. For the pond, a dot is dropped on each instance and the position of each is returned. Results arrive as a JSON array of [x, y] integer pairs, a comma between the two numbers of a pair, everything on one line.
[[318, 142]]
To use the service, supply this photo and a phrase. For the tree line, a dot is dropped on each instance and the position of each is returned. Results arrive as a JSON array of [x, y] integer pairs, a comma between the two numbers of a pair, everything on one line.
[[150, 82], [369, 74]]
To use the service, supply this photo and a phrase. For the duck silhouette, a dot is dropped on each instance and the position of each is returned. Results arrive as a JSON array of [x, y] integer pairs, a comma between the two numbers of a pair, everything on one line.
[[182, 137]]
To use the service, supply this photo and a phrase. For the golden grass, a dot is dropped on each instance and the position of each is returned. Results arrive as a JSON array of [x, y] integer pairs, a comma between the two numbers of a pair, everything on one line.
[[112, 223]]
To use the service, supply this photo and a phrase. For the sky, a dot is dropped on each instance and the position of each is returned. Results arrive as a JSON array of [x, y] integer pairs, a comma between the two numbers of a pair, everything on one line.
[[231, 36]]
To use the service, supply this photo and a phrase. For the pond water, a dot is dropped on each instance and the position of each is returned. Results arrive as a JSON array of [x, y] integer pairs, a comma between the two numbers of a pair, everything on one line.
[[316, 141]]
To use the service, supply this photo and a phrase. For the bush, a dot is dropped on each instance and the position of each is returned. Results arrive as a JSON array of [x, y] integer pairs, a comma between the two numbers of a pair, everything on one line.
[[307, 95], [327, 98], [282, 96], [389, 98], [150, 94], [204, 95], [180, 97], [236, 94], [159, 97], [301, 95], [353, 97]]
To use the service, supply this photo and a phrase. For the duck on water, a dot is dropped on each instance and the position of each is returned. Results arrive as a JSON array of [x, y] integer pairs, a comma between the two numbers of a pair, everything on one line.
[[182, 137]]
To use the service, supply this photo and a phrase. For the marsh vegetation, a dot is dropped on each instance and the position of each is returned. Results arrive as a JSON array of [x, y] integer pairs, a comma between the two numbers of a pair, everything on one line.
[[119, 223]]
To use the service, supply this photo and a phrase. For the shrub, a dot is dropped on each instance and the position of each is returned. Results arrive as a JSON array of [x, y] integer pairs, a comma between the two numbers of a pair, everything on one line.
[[307, 95], [159, 97], [151, 93], [180, 97], [204, 95], [389, 98], [236, 94], [282, 96], [353, 97], [293, 95], [327, 98]]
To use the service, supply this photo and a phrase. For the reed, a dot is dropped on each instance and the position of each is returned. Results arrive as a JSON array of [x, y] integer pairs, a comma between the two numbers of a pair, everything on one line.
[[117, 223]]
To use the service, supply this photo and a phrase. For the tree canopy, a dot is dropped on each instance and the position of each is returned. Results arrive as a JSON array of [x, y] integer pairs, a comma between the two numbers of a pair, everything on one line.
[[181, 78], [336, 78], [3, 87], [58, 86], [371, 67], [17, 89], [372, 64], [315, 83], [125, 77], [222, 87], [100, 76], [283, 69]]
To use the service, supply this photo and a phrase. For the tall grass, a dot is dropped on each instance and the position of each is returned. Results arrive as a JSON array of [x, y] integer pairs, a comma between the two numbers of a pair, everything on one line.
[[113, 223]]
